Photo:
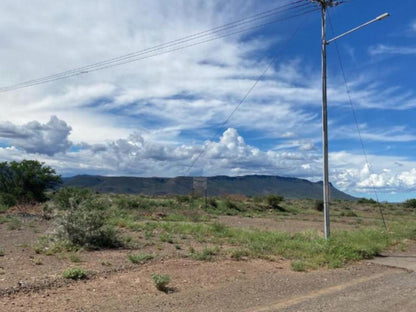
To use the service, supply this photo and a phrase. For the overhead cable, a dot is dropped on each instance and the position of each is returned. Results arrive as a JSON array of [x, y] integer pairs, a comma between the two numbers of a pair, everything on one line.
[[297, 8]]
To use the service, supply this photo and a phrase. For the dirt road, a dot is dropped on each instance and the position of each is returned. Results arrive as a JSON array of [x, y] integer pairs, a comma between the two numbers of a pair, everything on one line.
[[231, 286]]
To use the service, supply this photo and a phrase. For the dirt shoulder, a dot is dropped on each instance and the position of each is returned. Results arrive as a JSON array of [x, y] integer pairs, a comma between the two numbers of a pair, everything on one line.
[[256, 285]]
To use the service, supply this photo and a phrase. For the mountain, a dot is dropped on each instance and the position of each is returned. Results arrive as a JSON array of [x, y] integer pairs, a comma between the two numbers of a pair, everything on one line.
[[251, 185]]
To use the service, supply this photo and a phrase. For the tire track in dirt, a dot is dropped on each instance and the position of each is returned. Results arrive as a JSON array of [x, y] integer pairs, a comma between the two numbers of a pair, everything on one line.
[[298, 299]]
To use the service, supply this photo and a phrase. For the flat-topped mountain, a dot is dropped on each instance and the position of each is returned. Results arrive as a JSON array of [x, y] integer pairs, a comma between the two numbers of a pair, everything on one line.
[[250, 185]]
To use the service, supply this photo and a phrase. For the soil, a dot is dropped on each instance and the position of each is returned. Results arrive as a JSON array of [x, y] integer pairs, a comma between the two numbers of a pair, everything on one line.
[[33, 282]]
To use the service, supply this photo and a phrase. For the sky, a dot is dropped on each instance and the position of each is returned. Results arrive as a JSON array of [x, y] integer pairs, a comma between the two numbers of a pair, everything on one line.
[[204, 100]]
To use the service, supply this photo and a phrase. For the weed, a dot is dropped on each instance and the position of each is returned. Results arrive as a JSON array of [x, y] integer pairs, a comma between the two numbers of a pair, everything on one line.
[[348, 213], [2, 252], [14, 224], [37, 261], [166, 238], [298, 266], [239, 254], [161, 281], [74, 257], [139, 258], [106, 263], [75, 273], [207, 254], [182, 199]]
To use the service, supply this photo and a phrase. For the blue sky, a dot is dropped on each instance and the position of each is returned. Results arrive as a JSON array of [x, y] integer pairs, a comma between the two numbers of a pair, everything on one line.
[[164, 115]]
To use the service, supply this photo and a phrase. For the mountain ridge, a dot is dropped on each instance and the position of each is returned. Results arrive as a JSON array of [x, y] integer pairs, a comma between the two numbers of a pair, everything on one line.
[[249, 185]]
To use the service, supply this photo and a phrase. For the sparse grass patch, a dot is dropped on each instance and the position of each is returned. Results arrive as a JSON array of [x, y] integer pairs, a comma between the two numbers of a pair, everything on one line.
[[74, 257], [140, 258], [166, 238], [2, 252], [239, 254], [348, 213], [207, 254], [14, 224]]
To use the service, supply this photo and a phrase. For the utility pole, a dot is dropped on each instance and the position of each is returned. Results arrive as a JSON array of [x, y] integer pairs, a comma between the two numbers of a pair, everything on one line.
[[325, 4]]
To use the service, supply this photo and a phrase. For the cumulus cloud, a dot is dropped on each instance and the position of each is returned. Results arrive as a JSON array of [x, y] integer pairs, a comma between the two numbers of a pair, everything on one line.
[[49, 138], [152, 117]]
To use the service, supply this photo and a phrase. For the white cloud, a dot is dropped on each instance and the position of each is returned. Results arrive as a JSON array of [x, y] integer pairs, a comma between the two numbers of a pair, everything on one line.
[[392, 50], [152, 117]]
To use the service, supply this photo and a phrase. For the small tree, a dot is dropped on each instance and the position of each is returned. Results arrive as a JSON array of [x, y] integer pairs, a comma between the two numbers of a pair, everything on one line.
[[410, 203], [273, 201], [26, 181]]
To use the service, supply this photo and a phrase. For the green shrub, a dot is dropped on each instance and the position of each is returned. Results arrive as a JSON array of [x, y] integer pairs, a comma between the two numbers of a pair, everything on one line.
[[126, 202], [182, 199], [366, 201], [298, 266], [213, 202], [26, 181], [7, 200], [86, 224], [74, 273], [273, 201], [410, 203], [68, 198], [139, 258], [161, 281], [319, 205]]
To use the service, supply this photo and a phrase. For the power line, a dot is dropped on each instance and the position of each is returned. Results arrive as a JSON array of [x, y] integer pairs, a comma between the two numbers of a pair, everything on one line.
[[299, 8], [356, 124], [259, 78]]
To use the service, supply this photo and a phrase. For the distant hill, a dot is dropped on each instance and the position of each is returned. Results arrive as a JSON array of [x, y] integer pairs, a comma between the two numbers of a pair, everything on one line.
[[251, 185]]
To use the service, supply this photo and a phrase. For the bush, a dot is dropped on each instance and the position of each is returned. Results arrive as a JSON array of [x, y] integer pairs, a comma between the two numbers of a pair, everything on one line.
[[26, 181], [319, 205], [298, 266], [7, 200], [213, 202], [273, 201], [231, 205], [126, 202], [84, 223], [161, 281], [410, 203], [74, 273], [71, 197], [183, 199], [366, 201]]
